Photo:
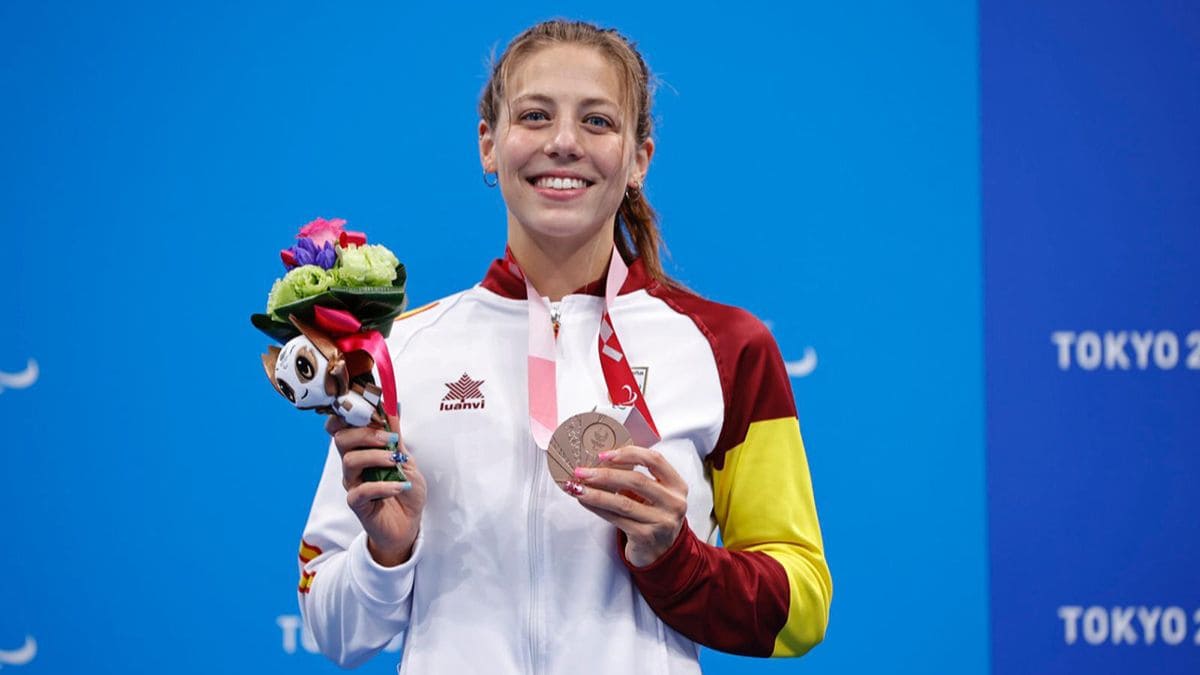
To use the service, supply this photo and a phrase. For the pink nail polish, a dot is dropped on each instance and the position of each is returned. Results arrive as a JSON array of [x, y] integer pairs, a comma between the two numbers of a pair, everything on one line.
[[573, 487], [583, 473], [606, 455]]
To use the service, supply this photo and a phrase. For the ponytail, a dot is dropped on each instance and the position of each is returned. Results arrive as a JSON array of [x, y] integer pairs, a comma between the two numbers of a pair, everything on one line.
[[637, 235]]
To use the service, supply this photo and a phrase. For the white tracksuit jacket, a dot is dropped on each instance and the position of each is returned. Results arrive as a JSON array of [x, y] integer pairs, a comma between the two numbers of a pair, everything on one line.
[[511, 575]]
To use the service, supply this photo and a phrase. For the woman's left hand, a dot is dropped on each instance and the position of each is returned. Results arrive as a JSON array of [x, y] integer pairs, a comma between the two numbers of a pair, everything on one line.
[[648, 509]]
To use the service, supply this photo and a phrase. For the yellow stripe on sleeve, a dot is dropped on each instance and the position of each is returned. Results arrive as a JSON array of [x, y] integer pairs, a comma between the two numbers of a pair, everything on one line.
[[763, 501]]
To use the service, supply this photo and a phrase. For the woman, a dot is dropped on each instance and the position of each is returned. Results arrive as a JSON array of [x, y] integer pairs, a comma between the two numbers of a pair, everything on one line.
[[482, 561]]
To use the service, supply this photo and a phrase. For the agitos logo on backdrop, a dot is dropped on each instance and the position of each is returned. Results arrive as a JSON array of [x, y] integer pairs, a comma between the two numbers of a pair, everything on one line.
[[21, 655], [1126, 349], [805, 365], [20, 380]]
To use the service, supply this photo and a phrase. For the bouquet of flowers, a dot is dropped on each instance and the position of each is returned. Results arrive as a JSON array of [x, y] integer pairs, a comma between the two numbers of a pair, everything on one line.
[[331, 311]]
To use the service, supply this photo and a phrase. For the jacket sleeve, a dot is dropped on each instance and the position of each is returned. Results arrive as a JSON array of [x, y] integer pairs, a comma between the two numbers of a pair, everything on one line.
[[767, 592], [351, 604]]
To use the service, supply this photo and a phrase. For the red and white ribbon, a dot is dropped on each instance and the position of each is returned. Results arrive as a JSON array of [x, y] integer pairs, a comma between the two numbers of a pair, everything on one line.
[[625, 396], [347, 333]]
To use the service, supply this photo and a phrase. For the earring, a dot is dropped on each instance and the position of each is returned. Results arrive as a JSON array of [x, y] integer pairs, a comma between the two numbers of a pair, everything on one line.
[[631, 191], [493, 182]]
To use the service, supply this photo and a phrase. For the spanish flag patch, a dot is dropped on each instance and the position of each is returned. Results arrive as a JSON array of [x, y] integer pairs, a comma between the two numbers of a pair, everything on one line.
[[307, 553], [306, 581]]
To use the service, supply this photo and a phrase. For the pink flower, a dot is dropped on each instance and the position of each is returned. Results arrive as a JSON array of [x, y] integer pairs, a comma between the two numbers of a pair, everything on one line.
[[321, 231]]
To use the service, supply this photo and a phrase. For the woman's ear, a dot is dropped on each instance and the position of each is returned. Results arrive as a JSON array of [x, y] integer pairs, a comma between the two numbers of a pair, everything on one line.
[[641, 164], [487, 148]]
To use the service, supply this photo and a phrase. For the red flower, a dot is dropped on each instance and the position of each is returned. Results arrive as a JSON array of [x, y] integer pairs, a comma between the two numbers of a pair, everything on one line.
[[350, 237]]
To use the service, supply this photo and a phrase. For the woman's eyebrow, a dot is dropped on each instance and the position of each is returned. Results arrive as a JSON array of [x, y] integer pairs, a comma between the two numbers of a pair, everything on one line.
[[540, 99], [590, 102], [545, 100]]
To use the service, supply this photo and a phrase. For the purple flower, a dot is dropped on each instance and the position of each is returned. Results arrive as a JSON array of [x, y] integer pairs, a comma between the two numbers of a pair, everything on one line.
[[307, 253], [327, 256]]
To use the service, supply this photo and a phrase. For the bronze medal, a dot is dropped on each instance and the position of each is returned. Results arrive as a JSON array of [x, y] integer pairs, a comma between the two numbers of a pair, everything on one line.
[[578, 442]]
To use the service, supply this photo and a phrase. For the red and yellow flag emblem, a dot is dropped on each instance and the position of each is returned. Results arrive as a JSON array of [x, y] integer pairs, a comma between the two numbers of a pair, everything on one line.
[[307, 553]]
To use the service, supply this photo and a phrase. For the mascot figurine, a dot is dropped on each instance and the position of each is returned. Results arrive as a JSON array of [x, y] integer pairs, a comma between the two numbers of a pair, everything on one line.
[[312, 373]]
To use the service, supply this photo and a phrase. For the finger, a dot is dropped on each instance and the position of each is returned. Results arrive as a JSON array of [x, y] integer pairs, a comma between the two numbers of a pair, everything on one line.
[[621, 505], [399, 456], [334, 424], [653, 460], [621, 480], [361, 497], [357, 438], [630, 527], [353, 464]]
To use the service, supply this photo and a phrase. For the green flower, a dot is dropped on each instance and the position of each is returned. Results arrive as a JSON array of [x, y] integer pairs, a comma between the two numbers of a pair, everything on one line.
[[302, 282], [372, 265]]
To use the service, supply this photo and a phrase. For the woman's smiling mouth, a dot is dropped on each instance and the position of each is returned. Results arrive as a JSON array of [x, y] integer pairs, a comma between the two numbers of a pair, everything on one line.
[[559, 182]]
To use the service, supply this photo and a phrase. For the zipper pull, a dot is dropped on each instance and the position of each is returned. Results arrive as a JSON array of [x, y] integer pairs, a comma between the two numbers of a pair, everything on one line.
[[555, 313]]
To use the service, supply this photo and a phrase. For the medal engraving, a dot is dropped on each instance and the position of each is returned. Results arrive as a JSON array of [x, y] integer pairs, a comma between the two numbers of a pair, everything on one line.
[[579, 441]]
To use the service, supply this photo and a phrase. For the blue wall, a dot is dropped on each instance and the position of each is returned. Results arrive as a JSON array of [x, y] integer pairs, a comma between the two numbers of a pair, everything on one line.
[[817, 165]]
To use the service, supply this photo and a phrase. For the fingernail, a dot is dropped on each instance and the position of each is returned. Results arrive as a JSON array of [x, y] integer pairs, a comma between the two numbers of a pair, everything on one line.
[[573, 487], [405, 486], [607, 455], [399, 457], [393, 438], [583, 473]]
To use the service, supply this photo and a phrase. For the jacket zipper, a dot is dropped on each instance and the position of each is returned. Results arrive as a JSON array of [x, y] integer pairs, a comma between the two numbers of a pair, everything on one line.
[[534, 527]]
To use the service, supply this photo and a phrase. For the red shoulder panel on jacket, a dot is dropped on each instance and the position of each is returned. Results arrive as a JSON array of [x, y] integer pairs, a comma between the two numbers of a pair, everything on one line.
[[754, 380]]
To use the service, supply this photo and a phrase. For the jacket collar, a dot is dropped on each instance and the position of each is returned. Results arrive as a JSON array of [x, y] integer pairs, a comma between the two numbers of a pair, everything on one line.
[[504, 278]]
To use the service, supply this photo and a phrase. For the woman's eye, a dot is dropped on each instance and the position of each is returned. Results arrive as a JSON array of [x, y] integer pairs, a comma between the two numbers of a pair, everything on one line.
[[534, 116], [597, 121]]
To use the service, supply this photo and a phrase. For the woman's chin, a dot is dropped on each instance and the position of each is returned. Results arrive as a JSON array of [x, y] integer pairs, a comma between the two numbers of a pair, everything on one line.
[[563, 229]]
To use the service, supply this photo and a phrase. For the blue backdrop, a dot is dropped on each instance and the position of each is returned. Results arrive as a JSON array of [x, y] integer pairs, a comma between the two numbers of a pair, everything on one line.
[[1091, 156], [817, 165]]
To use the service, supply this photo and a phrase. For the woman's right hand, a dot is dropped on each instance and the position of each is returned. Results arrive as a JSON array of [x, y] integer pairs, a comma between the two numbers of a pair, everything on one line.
[[390, 511]]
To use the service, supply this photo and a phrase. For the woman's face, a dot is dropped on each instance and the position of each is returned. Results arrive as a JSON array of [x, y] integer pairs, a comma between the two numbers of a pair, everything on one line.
[[563, 146]]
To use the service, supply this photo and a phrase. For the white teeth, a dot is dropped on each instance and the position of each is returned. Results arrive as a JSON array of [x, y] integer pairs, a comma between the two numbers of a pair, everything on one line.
[[559, 183]]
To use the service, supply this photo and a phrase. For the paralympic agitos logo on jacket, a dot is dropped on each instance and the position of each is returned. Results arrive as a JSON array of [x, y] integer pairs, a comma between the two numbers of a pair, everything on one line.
[[465, 394]]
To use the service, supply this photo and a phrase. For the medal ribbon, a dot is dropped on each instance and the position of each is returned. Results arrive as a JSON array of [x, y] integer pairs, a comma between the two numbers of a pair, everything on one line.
[[623, 390], [346, 332]]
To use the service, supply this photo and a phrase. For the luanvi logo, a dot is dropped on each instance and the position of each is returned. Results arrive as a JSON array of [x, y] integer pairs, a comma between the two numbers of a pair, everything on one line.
[[20, 656], [464, 394], [21, 380], [804, 366]]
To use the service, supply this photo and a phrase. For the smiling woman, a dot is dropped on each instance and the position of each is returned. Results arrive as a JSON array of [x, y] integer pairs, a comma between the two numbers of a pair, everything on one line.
[[564, 158], [503, 541]]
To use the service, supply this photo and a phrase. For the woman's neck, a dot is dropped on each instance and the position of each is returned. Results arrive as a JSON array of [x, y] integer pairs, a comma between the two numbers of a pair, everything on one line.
[[558, 266]]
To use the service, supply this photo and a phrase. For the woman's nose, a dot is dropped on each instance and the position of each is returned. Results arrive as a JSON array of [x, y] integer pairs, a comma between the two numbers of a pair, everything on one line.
[[564, 141]]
